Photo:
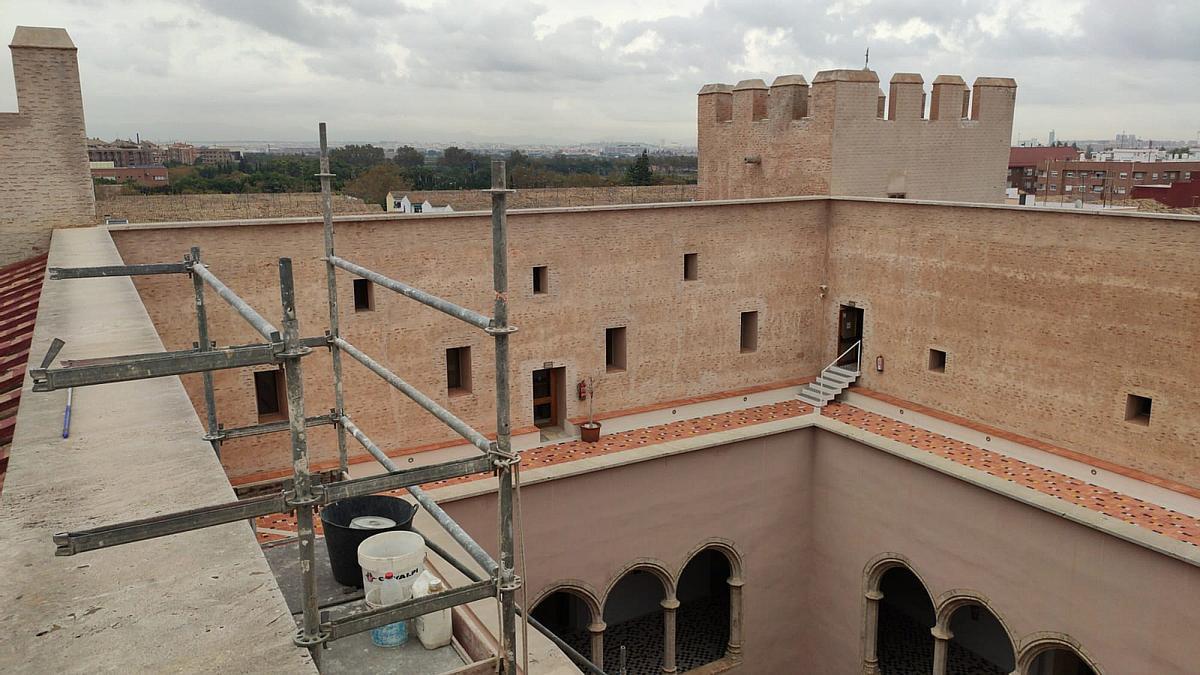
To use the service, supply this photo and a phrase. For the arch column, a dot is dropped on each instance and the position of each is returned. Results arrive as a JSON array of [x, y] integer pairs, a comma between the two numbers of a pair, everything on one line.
[[941, 648], [597, 631], [734, 648], [870, 655], [669, 606]]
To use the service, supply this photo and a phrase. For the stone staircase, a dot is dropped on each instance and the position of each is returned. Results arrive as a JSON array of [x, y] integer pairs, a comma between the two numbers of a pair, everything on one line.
[[831, 382]]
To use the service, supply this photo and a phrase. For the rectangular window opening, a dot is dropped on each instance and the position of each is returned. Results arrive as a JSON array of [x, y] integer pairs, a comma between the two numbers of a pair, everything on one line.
[[614, 349], [458, 370], [541, 278], [1137, 409], [749, 331], [896, 195], [364, 295], [270, 395], [937, 360], [691, 266]]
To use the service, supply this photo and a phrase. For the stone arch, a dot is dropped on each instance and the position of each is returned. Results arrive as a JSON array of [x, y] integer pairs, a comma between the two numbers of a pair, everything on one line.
[[725, 547], [873, 574], [953, 600], [566, 624], [656, 567], [579, 589], [1033, 645], [709, 585]]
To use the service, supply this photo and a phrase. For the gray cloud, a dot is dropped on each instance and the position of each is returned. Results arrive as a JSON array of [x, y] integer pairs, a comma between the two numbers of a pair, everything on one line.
[[452, 69]]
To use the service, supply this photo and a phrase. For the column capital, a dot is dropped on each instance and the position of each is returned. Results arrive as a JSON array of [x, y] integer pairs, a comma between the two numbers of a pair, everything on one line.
[[874, 595], [940, 633], [597, 627], [670, 604], [735, 582]]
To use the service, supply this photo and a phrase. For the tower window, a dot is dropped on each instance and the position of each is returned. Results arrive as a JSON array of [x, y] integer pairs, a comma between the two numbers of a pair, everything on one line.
[[458, 370], [937, 360], [614, 349], [749, 331], [691, 266], [1137, 409], [364, 295], [541, 279], [269, 395]]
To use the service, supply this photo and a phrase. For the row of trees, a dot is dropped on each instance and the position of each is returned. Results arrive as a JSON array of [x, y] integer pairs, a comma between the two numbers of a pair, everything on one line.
[[363, 171]]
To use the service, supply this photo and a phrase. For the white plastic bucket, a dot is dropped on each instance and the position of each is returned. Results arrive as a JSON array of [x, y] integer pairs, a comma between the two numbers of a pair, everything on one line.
[[372, 523], [391, 562]]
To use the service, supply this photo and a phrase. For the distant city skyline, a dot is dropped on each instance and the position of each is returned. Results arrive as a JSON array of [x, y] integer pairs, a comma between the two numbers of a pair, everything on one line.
[[572, 72]]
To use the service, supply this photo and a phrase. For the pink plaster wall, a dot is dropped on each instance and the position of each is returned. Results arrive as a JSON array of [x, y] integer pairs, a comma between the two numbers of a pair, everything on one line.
[[809, 509]]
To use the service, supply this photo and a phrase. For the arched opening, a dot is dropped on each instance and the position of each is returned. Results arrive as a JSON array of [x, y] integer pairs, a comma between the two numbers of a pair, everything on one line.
[[633, 614], [568, 616], [1059, 661], [702, 628], [904, 641], [980, 645]]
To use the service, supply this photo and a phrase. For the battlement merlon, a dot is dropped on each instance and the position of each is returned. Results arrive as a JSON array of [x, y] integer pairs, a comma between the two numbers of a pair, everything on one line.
[[857, 92]]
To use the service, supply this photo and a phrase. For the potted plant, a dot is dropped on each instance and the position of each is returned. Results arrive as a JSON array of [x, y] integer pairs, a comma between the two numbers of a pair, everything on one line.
[[589, 431]]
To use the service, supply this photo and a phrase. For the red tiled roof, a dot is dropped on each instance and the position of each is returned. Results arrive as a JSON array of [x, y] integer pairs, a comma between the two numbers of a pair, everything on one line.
[[1034, 156], [20, 288]]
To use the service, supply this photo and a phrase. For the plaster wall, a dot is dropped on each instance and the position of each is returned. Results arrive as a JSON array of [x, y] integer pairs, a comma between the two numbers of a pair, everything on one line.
[[1048, 320], [752, 494], [1129, 607], [607, 267]]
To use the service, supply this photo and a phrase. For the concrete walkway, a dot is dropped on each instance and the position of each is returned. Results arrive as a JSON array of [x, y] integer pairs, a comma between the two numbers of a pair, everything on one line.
[[202, 601]]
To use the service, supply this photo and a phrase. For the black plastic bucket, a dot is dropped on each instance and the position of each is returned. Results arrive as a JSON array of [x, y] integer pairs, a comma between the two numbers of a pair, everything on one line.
[[342, 542]]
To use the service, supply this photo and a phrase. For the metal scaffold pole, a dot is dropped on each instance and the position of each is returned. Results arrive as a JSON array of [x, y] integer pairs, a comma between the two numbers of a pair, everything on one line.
[[335, 352], [509, 583], [302, 497], [204, 344]]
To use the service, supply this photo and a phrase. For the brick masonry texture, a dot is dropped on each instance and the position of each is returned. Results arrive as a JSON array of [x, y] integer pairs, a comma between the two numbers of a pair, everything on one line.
[[607, 268], [477, 200], [1049, 319], [172, 208], [43, 146], [833, 138]]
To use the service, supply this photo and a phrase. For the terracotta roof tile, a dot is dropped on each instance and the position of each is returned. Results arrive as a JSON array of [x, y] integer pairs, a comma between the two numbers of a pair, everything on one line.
[[20, 289]]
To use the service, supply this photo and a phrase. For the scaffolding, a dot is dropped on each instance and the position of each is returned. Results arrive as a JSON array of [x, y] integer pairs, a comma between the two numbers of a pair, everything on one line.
[[288, 348]]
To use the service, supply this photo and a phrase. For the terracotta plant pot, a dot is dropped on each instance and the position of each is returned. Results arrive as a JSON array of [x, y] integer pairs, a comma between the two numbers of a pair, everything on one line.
[[589, 432]]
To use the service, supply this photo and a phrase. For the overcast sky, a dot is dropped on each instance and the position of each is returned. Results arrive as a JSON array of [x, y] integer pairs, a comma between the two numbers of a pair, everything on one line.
[[567, 71]]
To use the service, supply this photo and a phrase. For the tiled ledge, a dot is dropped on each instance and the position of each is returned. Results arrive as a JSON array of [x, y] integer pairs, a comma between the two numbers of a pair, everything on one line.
[[1138, 521]]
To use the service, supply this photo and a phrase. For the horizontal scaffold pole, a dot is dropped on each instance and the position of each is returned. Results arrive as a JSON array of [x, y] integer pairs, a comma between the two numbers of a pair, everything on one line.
[[165, 364], [405, 478], [117, 271], [273, 427], [448, 418], [431, 507], [70, 543], [409, 609], [264, 327], [461, 313]]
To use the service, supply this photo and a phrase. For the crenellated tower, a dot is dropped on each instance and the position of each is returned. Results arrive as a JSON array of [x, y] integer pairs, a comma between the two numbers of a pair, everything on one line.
[[844, 136]]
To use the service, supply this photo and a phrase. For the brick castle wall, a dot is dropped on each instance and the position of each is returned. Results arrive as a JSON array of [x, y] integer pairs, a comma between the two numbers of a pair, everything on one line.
[[843, 136], [534, 198], [1049, 319], [169, 208], [46, 182], [607, 268]]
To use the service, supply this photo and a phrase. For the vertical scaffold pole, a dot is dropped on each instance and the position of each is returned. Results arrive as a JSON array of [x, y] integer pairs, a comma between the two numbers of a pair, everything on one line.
[[500, 330], [335, 352], [204, 344], [302, 493]]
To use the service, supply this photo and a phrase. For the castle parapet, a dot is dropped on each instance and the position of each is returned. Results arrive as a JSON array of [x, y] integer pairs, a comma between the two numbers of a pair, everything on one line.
[[906, 97], [716, 103], [951, 98], [993, 98], [788, 99], [749, 101]]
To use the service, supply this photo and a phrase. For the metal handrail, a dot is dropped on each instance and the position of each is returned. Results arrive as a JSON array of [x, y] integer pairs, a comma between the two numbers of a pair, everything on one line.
[[857, 358]]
